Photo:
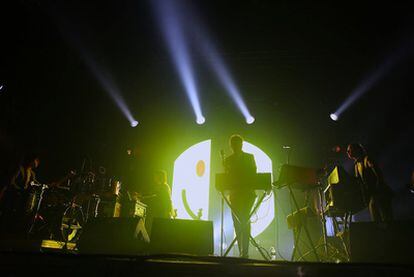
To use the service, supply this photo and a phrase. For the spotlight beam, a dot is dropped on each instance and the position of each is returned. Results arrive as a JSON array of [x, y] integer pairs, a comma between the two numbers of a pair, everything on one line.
[[100, 74], [373, 79], [172, 29], [110, 88], [213, 59], [362, 88], [225, 77]]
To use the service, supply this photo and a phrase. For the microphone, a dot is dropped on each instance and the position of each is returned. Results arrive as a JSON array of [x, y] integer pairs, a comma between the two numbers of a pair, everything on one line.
[[222, 156], [288, 152]]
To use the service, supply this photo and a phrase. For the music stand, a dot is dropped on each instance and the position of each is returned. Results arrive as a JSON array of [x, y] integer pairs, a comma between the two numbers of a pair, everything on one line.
[[301, 178], [260, 181]]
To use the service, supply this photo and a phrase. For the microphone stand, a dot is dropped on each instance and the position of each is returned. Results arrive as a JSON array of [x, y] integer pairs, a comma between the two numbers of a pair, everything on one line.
[[222, 212], [43, 187]]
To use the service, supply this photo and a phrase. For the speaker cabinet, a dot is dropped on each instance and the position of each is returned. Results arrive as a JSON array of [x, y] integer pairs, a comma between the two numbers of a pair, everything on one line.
[[179, 236], [114, 236], [390, 242]]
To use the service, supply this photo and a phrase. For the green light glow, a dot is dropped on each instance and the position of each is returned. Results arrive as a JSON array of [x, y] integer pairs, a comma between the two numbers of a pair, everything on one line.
[[191, 183], [192, 174]]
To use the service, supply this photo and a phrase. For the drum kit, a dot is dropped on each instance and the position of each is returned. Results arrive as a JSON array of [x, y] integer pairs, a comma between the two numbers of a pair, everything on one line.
[[60, 211]]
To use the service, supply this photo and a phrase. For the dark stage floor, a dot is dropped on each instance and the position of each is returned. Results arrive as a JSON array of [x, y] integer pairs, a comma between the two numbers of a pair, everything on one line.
[[16, 263]]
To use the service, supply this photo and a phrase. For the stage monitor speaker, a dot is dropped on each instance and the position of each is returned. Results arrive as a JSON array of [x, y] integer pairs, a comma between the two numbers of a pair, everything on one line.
[[390, 242], [180, 236], [114, 236]]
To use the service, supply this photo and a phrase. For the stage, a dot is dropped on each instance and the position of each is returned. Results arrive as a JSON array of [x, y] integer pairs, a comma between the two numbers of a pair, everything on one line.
[[72, 264]]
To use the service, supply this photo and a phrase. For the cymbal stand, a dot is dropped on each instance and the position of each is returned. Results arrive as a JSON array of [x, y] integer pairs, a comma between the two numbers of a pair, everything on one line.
[[345, 221], [326, 246], [323, 221], [39, 203], [322, 215], [222, 226]]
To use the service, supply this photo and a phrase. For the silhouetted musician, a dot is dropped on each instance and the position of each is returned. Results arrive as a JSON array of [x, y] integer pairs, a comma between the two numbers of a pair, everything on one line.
[[240, 167]]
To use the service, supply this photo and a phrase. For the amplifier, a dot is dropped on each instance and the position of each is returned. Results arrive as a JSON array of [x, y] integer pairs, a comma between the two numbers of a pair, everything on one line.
[[172, 236], [114, 236], [109, 207], [133, 208]]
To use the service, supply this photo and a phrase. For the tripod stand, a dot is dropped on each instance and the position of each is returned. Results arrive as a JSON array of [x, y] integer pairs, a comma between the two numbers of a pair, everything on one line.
[[330, 252], [36, 215], [297, 233], [257, 182], [303, 179], [236, 217]]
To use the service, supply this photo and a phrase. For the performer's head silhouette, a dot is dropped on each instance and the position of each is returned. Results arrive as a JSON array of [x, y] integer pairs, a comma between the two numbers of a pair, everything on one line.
[[160, 177], [236, 143], [31, 160], [356, 151]]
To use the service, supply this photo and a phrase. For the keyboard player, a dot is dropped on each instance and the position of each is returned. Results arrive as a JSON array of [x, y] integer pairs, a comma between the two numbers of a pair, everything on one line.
[[241, 167]]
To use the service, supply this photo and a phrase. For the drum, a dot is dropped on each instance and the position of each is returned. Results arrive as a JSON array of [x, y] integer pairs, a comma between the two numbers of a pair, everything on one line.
[[108, 186], [115, 186], [72, 223], [89, 203], [83, 184], [56, 197], [49, 225], [91, 207], [109, 207]]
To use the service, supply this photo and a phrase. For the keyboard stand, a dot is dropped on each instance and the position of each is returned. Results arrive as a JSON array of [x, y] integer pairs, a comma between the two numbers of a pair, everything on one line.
[[251, 239], [305, 228]]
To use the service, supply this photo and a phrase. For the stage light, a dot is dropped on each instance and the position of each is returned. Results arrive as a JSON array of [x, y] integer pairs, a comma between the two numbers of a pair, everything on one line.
[[134, 123], [334, 117], [201, 120], [1, 87], [250, 120]]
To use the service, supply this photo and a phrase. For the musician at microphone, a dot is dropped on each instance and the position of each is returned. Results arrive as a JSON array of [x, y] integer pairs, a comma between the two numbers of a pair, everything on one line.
[[240, 167]]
